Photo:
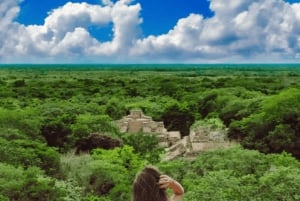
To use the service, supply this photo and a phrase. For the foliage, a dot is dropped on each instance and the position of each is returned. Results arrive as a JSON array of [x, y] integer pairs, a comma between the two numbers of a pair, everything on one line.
[[123, 156], [237, 174], [115, 109], [28, 153], [56, 126], [118, 167], [107, 173], [232, 103], [71, 190], [25, 122], [177, 169], [97, 198], [145, 145], [46, 107], [214, 123], [87, 124], [27, 185], [275, 128]]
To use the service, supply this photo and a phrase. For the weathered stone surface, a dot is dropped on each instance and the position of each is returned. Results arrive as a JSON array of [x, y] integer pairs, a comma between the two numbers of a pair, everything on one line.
[[135, 126], [136, 122], [200, 139], [174, 136], [174, 151]]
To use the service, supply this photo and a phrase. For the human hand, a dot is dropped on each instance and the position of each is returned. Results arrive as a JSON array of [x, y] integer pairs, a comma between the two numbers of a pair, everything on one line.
[[165, 181]]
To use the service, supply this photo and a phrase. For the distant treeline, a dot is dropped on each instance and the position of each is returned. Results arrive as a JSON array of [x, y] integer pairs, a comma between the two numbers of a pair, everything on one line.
[[158, 67]]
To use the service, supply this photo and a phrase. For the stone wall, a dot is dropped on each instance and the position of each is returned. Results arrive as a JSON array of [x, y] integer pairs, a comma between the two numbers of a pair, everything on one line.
[[200, 139], [136, 122]]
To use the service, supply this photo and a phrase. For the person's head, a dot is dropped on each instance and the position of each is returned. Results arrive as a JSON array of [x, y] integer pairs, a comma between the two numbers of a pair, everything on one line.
[[146, 187]]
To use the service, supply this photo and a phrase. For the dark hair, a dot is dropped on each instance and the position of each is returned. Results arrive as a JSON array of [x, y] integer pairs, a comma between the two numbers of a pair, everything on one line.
[[146, 187]]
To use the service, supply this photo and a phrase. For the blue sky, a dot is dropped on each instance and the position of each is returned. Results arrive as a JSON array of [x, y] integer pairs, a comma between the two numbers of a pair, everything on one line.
[[149, 31], [156, 19]]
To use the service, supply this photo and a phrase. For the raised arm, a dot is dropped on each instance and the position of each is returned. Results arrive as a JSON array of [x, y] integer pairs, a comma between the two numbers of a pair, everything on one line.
[[167, 182]]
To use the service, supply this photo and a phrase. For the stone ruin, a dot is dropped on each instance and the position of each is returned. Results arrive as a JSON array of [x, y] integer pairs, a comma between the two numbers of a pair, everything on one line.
[[200, 139], [136, 122]]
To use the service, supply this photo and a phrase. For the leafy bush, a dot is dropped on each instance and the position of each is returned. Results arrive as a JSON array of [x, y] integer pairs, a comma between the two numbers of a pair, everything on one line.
[[214, 123], [87, 124], [27, 153], [27, 185], [275, 128], [107, 173], [25, 121], [145, 145], [238, 174]]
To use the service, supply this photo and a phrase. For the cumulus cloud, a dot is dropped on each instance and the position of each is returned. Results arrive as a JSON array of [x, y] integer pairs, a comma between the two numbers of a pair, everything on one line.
[[8, 11], [65, 35], [177, 43], [107, 2], [73, 15], [240, 30]]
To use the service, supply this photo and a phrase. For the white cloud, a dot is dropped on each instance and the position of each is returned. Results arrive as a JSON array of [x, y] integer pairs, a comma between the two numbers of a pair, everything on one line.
[[178, 41], [8, 11], [75, 43], [296, 8], [240, 30], [229, 8], [261, 30], [65, 31], [126, 20], [107, 2], [73, 15], [267, 27]]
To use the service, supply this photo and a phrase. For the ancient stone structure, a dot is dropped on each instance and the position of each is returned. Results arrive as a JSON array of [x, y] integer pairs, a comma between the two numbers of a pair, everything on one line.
[[200, 139], [136, 121]]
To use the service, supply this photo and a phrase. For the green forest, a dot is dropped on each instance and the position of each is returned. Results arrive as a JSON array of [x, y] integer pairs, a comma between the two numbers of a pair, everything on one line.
[[59, 140]]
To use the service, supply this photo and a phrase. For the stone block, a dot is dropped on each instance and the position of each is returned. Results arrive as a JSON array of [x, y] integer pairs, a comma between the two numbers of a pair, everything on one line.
[[174, 135], [134, 126], [147, 129]]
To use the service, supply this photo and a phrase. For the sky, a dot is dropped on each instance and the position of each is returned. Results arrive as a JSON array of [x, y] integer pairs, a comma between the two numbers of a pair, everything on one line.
[[149, 31]]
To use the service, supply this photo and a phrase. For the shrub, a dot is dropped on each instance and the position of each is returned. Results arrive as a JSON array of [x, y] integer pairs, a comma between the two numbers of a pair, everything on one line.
[[26, 185]]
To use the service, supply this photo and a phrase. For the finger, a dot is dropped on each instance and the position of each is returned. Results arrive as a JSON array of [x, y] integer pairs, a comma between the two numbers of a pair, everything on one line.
[[165, 178], [164, 185], [162, 182]]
